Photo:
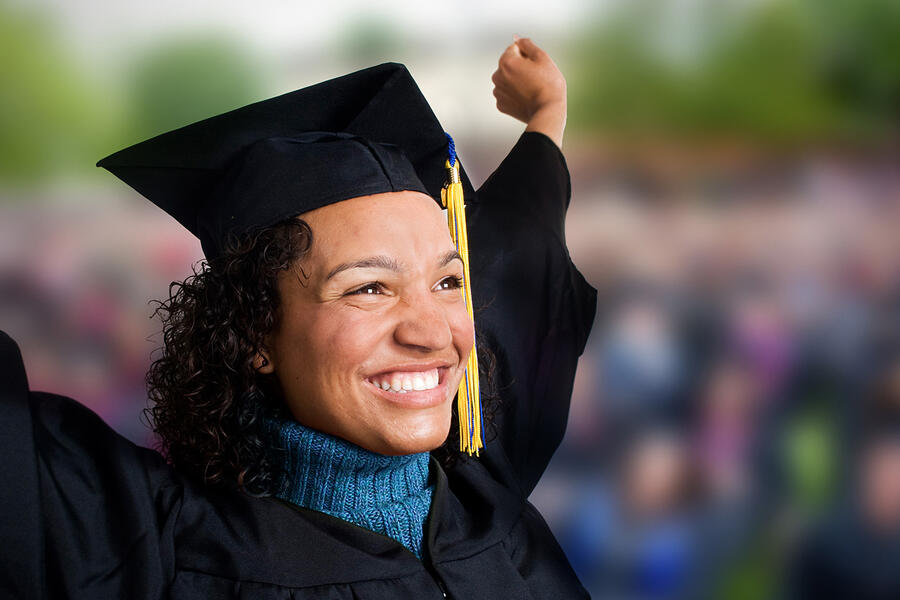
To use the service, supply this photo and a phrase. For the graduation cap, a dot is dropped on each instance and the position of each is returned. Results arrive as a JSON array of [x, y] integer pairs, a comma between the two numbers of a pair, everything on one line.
[[361, 134]]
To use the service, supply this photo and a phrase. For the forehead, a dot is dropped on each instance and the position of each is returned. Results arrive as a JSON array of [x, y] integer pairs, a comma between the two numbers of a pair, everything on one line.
[[402, 224]]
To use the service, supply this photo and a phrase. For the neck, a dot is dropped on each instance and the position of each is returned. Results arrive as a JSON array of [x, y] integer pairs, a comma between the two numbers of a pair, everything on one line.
[[386, 494]]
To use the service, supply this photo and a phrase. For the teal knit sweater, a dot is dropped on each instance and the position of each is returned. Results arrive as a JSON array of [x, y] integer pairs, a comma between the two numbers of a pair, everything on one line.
[[390, 495]]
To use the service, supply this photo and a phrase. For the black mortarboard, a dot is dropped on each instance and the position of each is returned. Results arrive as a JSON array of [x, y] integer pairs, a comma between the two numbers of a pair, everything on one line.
[[365, 133], [368, 132]]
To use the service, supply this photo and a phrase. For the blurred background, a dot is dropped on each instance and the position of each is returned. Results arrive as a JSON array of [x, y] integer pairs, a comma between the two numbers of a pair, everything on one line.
[[733, 432]]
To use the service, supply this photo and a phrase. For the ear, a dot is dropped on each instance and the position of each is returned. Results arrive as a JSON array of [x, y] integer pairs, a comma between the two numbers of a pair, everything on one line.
[[263, 363]]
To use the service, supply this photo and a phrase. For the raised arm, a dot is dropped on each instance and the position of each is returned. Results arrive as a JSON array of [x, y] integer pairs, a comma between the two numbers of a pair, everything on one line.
[[83, 512], [533, 310]]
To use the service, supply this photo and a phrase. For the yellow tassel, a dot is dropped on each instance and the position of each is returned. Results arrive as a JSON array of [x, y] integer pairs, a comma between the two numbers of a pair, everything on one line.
[[468, 400]]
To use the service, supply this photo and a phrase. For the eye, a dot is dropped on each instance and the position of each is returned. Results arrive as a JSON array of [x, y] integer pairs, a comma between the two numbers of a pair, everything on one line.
[[369, 289], [454, 282]]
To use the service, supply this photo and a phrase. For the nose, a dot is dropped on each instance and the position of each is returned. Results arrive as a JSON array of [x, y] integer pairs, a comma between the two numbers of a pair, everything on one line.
[[423, 324]]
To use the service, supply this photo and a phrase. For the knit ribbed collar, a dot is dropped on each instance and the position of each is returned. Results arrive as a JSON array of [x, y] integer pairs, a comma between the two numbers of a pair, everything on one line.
[[389, 495]]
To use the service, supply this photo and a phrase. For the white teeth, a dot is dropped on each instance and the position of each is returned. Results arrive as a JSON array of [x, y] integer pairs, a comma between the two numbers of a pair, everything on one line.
[[401, 382]]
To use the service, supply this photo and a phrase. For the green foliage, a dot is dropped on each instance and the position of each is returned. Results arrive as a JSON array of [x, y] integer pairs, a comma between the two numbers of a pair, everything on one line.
[[369, 39], [183, 80], [762, 80], [56, 117], [810, 457], [52, 116], [859, 47], [618, 82], [753, 576], [776, 71], [782, 71]]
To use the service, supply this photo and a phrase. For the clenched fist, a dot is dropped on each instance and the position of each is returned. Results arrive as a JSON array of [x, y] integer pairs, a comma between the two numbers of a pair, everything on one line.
[[529, 87]]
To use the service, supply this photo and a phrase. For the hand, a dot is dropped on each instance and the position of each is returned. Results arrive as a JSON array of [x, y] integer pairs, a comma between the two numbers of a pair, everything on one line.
[[529, 87]]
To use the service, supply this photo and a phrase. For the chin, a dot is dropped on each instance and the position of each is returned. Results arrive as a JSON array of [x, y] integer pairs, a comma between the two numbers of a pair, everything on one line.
[[417, 439]]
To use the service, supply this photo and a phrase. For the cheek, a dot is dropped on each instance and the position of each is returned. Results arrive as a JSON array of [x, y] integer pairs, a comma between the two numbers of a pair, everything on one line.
[[344, 339]]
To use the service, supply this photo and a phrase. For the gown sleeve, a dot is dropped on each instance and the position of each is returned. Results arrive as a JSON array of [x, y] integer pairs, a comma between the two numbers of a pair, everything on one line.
[[84, 513], [533, 309]]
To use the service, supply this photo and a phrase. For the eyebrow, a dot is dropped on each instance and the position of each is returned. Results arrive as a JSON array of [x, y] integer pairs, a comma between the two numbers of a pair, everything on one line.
[[450, 257], [387, 263]]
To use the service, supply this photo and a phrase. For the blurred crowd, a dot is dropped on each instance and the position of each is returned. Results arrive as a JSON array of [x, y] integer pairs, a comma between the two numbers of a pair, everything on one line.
[[734, 431], [77, 281]]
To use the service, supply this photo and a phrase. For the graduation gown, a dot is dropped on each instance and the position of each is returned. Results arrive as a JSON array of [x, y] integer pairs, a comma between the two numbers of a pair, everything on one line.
[[84, 513]]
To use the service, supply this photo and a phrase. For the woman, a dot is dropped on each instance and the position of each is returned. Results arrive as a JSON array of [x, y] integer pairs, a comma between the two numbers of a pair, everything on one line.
[[305, 391]]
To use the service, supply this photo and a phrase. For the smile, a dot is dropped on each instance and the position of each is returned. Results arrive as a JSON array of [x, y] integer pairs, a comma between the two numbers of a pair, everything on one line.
[[401, 382]]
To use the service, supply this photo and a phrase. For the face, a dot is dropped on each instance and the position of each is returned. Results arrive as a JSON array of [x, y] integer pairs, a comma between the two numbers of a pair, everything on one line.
[[654, 476], [880, 485], [374, 335]]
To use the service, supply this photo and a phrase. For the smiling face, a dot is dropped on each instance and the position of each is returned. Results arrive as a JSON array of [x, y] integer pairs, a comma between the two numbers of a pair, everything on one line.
[[374, 335]]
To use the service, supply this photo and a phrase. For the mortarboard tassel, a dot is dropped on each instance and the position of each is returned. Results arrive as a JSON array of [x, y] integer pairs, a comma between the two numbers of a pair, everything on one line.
[[468, 399]]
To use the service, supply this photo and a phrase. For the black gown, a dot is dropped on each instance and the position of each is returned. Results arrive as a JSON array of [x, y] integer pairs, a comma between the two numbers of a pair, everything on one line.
[[84, 513]]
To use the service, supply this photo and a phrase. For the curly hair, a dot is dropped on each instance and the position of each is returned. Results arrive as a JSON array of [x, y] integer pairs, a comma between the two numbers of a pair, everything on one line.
[[207, 399]]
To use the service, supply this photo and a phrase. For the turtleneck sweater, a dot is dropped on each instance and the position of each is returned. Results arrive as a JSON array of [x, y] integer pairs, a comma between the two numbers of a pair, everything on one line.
[[389, 495]]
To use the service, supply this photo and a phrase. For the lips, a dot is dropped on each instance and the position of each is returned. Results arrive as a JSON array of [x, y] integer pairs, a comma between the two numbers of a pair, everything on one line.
[[402, 382], [413, 385]]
